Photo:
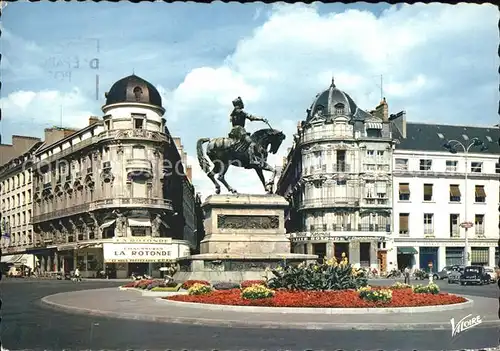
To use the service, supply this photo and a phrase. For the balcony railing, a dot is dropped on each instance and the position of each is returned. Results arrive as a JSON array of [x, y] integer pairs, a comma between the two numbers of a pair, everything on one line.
[[354, 228], [101, 204], [160, 203], [133, 134], [138, 167], [330, 202]]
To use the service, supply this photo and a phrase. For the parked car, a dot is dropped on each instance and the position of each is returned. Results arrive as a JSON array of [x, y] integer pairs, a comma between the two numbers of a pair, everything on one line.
[[443, 274], [475, 275], [492, 273], [455, 274]]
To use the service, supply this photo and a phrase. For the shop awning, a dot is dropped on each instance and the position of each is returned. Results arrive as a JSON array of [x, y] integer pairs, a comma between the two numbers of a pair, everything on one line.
[[404, 188], [480, 191], [407, 250], [373, 125], [107, 224], [454, 191], [15, 259], [139, 222]]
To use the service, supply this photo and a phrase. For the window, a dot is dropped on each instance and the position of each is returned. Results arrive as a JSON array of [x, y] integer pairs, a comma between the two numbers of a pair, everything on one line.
[[451, 166], [404, 191], [454, 225], [401, 164], [428, 223], [480, 194], [425, 165], [370, 152], [403, 223], [455, 194], [380, 153], [427, 192], [476, 167], [138, 123], [497, 167], [479, 224]]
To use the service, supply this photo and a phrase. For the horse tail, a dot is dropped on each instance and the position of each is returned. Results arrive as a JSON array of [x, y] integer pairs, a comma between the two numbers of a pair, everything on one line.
[[202, 160]]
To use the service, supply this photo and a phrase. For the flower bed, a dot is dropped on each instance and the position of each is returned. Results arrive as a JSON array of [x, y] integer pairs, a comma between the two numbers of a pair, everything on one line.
[[322, 299]]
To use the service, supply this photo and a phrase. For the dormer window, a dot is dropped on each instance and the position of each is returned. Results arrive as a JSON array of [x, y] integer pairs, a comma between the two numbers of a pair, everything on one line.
[[339, 109], [138, 93]]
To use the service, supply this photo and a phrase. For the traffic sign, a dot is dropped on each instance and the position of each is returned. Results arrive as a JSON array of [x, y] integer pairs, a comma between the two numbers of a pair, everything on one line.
[[467, 225]]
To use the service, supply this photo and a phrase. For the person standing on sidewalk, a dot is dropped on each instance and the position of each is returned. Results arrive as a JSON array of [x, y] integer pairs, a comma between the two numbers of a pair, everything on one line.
[[407, 275], [77, 275]]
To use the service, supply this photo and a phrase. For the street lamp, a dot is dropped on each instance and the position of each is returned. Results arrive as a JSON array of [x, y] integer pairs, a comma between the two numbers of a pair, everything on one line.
[[451, 146]]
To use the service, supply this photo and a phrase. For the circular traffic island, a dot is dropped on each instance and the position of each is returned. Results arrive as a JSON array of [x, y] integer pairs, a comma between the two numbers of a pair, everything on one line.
[[395, 296]]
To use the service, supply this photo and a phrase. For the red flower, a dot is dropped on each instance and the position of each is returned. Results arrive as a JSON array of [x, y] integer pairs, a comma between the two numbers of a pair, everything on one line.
[[246, 283], [189, 283], [334, 299]]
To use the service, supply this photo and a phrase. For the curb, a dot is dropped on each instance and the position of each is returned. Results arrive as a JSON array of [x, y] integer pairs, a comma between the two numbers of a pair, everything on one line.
[[310, 310], [257, 324]]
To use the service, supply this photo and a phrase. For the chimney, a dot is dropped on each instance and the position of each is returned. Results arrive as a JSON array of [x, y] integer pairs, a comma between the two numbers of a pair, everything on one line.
[[93, 120], [189, 173], [399, 120], [382, 110]]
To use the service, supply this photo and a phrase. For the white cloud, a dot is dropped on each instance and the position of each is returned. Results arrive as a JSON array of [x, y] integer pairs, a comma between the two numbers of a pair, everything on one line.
[[44, 108]]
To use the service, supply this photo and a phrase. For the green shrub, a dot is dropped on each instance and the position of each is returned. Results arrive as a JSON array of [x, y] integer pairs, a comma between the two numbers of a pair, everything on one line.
[[426, 289], [382, 295], [326, 276], [167, 288], [255, 292], [199, 289]]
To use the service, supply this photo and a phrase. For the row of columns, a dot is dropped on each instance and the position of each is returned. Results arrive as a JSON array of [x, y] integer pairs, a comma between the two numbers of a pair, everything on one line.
[[51, 262]]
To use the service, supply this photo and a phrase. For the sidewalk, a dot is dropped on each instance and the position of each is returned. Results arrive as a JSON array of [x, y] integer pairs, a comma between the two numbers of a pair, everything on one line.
[[115, 303]]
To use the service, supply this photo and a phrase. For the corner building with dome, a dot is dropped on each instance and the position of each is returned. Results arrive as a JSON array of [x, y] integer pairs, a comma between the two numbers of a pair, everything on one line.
[[338, 179], [115, 195]]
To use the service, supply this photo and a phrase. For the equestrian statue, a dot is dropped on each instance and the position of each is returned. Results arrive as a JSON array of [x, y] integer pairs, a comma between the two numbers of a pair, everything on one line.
[[240, 149]]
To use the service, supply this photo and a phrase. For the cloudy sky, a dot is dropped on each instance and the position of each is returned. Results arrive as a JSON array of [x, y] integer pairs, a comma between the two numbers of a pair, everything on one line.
[[439, 63]]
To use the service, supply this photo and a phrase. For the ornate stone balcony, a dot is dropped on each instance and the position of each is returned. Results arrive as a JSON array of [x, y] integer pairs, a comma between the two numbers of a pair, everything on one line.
[[132, 134], [133, 202], [136, 167], [327, 202], [102, 204]]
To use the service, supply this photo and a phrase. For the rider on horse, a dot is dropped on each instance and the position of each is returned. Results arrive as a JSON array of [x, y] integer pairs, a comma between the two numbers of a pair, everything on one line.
[[238, 133]]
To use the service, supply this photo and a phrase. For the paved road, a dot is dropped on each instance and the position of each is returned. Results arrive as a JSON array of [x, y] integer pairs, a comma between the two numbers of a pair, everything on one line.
[[27, 325]]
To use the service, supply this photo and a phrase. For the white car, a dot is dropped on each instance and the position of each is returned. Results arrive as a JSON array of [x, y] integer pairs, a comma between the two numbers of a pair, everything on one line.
[[492, 272]]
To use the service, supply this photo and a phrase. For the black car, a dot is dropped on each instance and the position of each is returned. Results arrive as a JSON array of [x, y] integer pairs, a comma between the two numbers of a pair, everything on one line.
[[474, 275]]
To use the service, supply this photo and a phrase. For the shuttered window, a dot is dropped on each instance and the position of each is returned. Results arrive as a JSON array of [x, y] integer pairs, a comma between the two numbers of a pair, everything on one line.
[[404, 191], [403, 223], [455, 194], [480, 193], [427, 192], [480, 256]]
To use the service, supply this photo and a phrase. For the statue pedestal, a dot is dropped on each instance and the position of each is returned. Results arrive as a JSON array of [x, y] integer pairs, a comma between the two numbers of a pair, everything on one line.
[[244, 235]]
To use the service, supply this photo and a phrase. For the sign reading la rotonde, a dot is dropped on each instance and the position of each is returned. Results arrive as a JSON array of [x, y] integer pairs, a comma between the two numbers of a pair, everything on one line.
[[115, 253]]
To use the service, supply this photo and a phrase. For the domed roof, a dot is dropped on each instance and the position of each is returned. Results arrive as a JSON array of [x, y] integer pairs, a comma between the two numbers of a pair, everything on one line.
[[332, 100], [133, 89]]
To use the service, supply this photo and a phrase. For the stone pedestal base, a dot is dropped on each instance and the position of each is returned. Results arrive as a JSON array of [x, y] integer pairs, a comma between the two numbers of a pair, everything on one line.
[[234, 268], [244, 235]]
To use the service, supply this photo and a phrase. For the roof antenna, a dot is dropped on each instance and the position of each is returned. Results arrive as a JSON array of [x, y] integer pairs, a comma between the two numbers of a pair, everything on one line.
[[133, 71], [381, 87], [333, 82], [61, 116]]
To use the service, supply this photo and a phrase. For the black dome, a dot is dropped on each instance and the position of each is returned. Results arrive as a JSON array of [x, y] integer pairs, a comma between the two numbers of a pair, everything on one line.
[[133, 89], [329, 100]]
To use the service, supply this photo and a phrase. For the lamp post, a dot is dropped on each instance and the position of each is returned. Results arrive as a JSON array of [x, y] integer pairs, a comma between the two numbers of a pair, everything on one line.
[[451, 146]]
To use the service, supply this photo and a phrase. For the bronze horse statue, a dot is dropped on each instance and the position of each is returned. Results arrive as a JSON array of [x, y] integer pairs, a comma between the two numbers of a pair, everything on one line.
[[225, 152]]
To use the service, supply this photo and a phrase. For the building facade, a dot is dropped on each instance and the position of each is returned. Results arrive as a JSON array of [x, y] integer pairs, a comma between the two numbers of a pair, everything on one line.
[[16, 202], [338, 179], [431, 194], [111, 196]]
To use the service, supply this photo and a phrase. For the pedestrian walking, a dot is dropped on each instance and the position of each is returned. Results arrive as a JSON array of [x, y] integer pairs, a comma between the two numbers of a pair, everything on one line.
[[407, 275], [77, 275]]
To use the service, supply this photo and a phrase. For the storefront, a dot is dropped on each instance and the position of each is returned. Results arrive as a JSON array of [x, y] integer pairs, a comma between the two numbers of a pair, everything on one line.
[[480, 256], [455, 256], [143, 255], [406, 256], [428, 257]]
